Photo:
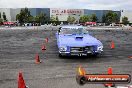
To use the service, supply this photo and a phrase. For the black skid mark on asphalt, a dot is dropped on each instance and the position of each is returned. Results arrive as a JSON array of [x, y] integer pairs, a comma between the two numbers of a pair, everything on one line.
[[107, 31], [6, 80], [2, 82]]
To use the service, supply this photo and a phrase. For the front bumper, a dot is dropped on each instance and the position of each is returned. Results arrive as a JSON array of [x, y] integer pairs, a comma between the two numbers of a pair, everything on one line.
[[79, 53]]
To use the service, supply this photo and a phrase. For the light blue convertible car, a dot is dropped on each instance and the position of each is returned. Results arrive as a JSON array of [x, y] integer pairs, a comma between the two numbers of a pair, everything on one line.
[[76, 41]]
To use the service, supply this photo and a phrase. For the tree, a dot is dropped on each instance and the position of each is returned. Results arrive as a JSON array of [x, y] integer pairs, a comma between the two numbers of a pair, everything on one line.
[[17, 17], [42, 18], [93, 18], [116, 18], [23, 16], [52, 18], [70, 19], [110, 17], [0, 14], [104, 18], [31, 19], [4, 16], [1, 20], [125, 20], [84, 18], [37, 19], [57, 18]]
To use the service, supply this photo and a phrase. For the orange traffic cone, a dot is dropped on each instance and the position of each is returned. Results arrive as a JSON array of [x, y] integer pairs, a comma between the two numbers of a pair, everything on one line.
[[112, 45], [108, 85], [46, 40], [21, 82], [109, 72], [43, 48], [37, 60], [130, 57], [81, 71]]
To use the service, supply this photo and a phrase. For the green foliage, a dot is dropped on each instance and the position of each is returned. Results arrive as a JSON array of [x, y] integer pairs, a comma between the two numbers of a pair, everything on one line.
[[70, 19], [42, 18], [17, 17], [93, 18], [23, 16], [4, 16], [31, 19], [36, 18], [0, 14], [87, 18], [1, 20], [57, 18], [52, 18], [116, 18], [84, 18], [125, 20], [110, 17]]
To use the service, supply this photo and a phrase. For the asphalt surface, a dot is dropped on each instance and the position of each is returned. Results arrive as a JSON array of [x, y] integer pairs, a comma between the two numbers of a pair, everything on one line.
[[19, 47]]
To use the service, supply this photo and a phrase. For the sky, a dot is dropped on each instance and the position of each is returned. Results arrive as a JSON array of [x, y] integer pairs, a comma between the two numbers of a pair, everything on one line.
[[72, 4]]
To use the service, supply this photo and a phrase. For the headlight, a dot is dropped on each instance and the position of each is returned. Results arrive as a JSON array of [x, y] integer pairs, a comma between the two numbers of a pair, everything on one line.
[[63, 48], [100, 48]]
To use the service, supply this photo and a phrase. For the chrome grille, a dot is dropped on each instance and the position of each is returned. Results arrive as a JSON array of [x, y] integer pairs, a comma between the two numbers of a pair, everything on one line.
[[81, 49]]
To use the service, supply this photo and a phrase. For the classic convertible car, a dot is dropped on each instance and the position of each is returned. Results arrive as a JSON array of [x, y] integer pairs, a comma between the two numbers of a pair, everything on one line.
[[76, 41]]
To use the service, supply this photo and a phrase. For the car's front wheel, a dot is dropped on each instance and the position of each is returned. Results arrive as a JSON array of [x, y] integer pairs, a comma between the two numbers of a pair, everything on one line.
[[98, 55], [60, 55]]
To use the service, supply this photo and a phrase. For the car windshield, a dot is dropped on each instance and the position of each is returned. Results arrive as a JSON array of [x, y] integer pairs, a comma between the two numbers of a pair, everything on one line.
[[73, 31]]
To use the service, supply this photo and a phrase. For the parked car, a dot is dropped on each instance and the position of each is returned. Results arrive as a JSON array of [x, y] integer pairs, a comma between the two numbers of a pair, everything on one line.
[[76, 41]]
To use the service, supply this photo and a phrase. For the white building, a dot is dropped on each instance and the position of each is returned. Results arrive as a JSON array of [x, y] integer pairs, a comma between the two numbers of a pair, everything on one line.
[[10, 13], [63, 14], [7, 13], [126, 13]]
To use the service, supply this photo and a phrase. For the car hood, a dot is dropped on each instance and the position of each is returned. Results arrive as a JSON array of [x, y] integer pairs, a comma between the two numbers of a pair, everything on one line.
[[78, 40]]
